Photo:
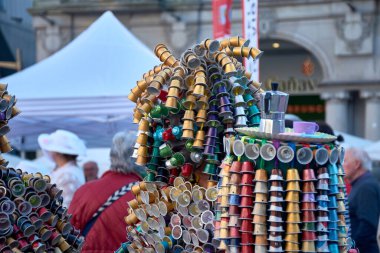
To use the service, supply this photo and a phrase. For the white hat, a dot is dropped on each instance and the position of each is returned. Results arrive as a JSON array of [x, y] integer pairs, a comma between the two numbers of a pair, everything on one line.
[[63, 142]]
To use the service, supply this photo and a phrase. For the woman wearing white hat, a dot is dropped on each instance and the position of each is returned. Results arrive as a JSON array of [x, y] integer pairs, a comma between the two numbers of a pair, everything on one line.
[[63, 147]]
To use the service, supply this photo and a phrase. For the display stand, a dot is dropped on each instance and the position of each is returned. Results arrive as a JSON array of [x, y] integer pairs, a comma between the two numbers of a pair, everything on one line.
[[218, 182]]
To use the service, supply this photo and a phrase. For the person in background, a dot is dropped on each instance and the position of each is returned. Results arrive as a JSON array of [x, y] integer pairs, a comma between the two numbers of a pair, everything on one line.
[[364, 200], [63, 147], [99, 207], [90, 170]]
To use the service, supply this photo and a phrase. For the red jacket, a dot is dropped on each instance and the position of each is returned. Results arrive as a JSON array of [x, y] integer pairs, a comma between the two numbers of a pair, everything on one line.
[[108, 232]]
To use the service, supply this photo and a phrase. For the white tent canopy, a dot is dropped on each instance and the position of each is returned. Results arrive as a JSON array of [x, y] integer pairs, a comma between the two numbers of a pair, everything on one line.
[[82, 88], [374, 151], [353, 141]]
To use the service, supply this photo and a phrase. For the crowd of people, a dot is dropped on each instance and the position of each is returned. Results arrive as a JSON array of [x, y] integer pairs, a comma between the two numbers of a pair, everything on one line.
[[98, 205]]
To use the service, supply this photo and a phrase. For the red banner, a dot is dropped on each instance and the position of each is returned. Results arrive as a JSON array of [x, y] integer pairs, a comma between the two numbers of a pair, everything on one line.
[[221, 18]]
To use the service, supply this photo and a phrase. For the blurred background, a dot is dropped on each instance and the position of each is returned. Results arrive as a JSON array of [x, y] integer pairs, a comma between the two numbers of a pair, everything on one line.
[[325, 53]]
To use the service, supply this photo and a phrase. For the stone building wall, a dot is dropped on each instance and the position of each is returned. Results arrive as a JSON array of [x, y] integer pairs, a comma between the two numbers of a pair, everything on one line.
[[343, 38]]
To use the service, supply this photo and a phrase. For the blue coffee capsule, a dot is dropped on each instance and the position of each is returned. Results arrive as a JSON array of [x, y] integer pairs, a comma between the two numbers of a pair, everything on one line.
[[177, 132], [332, 225], [322, 205], [333, 216], [165, 244], [234, 199], [333, 169], [333, 235], [322, 246], [255, 120], [234, 242], [333, 247], [332, 204], [333, 190], [177, 248], [323, 196], [333, 180]]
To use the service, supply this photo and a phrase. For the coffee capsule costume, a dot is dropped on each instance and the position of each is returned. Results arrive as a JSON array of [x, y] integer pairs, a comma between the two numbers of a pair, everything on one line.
[[224, 175], [32, 218]]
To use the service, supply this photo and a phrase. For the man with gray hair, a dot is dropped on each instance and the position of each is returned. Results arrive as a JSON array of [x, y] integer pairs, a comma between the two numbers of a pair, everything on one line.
[[364, 200], [99, 207]]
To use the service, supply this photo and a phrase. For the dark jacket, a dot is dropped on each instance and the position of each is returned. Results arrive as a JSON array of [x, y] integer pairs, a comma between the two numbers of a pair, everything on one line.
[[108, 232], [364, 207]]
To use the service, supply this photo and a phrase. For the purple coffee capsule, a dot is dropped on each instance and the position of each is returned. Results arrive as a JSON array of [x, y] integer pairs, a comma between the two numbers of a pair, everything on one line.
[[210, 141], [225, 111], [212, 132], [209, 150], [224, 101]]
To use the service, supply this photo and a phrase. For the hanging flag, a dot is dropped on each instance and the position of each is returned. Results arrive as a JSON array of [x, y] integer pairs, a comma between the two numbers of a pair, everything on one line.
[[221, 18], [251, 32]]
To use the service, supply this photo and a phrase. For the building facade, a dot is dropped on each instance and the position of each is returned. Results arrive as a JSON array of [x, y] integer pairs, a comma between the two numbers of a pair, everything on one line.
[[16, 32], [325, 53]]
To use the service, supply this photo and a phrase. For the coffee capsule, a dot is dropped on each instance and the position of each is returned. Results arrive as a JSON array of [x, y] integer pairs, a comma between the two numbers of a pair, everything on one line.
[[246, 202], [292, 207], [261, 240], [292, 196], [261, 187], [308, 197], [252, 151], [293, 186], [246, 226], [321, 156], [236, 167], [308, 226], [260, 229], [246, 191], [276, 227], [276, 207], [276, 175], [308, 175], [247, 249], [275, 246], [341, 154], [267, 152], [285, 154], [247, 167], [293, 228], [246, 213], [308, 187], [238, 147], [292, 247], [333, 156], [323, 173], [259, 219], [261, 176], [308, 206], [275, 216], [247, 179], [261, 198], [322, 246], [293, 218], [308, 246], [309, 236], [293, 238], [304, 155], [292, 175]]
